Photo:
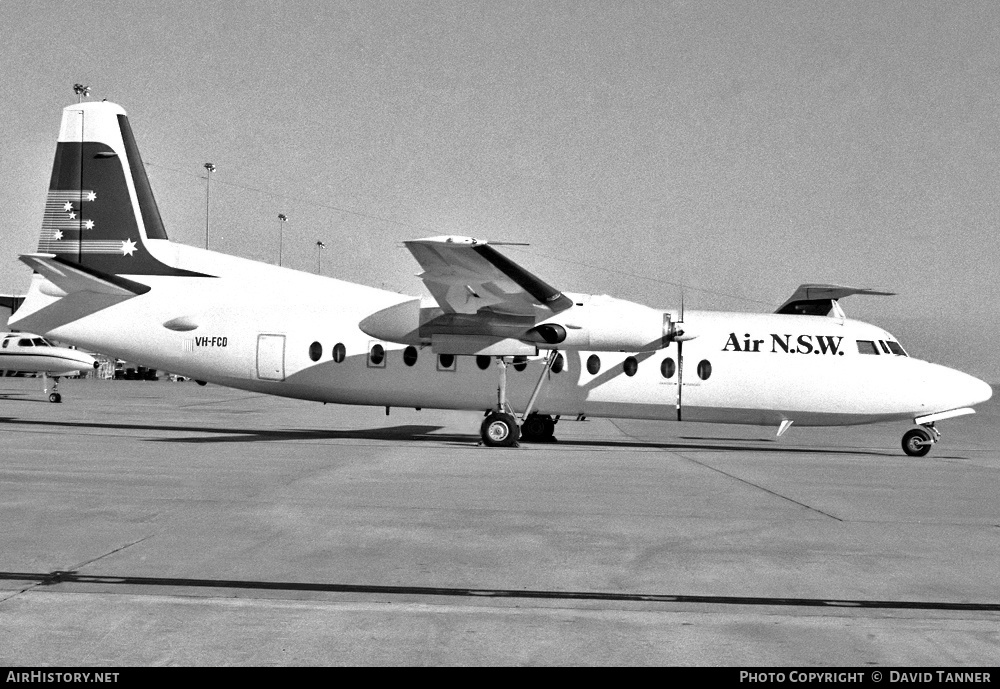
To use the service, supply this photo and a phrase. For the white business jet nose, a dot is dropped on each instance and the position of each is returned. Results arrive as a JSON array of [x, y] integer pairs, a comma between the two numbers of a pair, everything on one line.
[[85, 359]]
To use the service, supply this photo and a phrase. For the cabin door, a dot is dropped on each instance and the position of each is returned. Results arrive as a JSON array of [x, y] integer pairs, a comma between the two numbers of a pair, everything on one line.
[[271, 357]]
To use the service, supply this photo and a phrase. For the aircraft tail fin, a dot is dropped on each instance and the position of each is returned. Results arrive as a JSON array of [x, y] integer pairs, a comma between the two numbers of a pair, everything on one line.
[[100, 212]]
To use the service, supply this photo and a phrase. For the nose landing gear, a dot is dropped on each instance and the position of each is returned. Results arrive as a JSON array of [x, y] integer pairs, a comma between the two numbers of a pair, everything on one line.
[[917, 441], [54, 396]]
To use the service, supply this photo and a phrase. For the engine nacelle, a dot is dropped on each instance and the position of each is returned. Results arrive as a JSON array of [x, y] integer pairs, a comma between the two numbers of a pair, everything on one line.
[[606, 324]]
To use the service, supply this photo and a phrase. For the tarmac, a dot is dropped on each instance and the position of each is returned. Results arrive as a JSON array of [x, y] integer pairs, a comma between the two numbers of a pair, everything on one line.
[[163, 524]]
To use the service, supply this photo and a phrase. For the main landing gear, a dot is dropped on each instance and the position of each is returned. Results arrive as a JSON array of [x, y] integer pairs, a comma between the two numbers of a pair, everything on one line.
[[54, 396], [917, 441], [501, 428]]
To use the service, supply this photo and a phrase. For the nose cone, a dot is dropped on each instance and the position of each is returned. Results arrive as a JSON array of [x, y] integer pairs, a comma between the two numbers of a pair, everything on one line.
[[979, 391], [955, 389], [85, 360]]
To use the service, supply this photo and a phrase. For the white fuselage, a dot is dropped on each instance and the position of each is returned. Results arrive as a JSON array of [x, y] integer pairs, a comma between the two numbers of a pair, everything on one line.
[[254, 327], [28, 353]]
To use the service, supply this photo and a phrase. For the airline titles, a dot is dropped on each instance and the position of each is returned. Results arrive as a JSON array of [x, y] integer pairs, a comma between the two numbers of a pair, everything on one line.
[[785, 344]]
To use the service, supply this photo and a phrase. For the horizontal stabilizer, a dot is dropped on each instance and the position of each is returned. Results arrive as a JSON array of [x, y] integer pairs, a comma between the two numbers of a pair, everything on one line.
[[73, 277]]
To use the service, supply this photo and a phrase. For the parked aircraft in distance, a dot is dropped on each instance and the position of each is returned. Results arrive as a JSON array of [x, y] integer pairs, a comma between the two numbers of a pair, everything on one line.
[[108, 279], [28, 353]]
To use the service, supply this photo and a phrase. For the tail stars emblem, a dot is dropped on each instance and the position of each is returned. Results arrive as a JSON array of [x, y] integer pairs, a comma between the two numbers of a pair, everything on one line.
[[128, 247]]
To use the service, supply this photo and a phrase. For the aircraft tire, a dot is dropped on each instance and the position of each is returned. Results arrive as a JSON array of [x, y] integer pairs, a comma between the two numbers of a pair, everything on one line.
[[55, 398], [917, 442], [500, 430], [538, 428]]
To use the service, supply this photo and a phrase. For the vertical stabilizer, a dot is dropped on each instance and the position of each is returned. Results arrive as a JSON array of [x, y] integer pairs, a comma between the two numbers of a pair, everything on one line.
[[100, 210]]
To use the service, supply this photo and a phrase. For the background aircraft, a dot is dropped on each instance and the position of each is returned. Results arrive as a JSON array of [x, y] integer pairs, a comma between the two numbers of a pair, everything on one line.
[[107, 278], [28, 353]]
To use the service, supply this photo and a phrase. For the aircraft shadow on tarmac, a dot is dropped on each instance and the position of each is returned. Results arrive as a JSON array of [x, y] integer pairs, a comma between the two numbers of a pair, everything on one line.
[[426, 433], [720, 444], [70, 578], [24, 397], [249, 435]]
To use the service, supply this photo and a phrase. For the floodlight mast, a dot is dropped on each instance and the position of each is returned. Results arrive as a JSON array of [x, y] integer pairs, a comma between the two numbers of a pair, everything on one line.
[[209, 169]]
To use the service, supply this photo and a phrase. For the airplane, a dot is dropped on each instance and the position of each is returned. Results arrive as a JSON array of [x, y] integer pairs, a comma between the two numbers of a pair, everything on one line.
[[24, 353], [29, 353], [493, 337]]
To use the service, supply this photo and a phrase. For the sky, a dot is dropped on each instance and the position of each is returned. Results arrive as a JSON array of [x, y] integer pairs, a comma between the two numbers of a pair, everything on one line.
[[729, 149]]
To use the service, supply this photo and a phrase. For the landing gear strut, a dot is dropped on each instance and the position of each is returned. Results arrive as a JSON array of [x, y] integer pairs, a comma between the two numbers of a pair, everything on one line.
[[917, 441], [500, 427], [54, 396]]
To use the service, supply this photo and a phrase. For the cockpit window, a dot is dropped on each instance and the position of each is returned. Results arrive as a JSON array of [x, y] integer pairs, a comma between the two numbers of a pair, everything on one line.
[[896, 349], [39, 342], [867, 347], [24, 342], [884, 346]]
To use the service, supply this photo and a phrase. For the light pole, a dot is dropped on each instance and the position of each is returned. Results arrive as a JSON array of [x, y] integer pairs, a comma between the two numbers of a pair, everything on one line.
[[282, 219], [209, 169], [319, 249]]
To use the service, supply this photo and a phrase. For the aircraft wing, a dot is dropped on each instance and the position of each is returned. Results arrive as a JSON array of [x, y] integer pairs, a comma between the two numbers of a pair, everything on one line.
[[817, 300], [468, 276]]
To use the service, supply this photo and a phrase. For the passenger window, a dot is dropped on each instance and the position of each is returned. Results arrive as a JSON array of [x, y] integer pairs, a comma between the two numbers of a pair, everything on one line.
[[704, 369], [557, 365], [410, 355], [6, 342], [867, 347], [339, 352], [446, 362], [630, 365], [376, 356], [483, 361], [315, 351], [593, 364], [668, 368]]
